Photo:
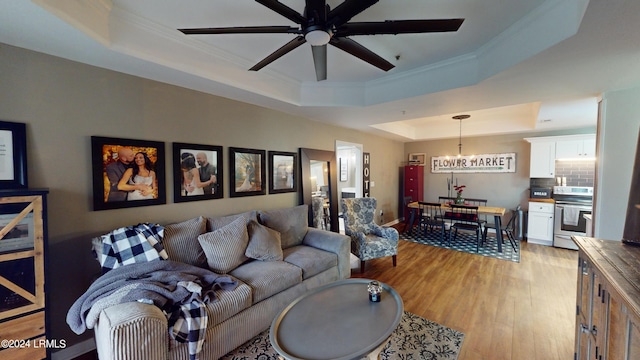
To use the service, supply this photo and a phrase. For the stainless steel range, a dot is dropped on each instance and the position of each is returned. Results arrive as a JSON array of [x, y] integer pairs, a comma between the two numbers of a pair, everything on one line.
[[572, 202]]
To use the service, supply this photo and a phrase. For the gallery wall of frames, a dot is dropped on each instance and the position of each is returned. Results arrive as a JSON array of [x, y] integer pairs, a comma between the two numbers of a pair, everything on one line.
[[130, 172]]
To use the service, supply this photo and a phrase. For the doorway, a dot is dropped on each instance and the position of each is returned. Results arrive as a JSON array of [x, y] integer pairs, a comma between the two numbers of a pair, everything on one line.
[[350, 177]]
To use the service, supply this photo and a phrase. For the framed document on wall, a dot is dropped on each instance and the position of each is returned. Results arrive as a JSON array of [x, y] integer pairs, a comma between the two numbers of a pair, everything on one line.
[[13, 155]]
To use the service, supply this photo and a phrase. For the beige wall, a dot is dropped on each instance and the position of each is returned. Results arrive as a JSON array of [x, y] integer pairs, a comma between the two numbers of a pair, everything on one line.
[[63, 103]]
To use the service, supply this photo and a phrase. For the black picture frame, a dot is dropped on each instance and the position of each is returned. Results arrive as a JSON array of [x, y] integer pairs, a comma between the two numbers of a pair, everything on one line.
[[105, 152], [283, 172], [13, 152], [189, 155], [247, 173]]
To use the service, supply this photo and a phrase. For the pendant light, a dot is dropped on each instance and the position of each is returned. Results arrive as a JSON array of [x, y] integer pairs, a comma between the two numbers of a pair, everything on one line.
[[460, 118]]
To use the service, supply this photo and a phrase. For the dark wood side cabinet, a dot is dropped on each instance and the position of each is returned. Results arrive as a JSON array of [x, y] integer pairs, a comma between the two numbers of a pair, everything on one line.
[[23, 242], [608, 300]]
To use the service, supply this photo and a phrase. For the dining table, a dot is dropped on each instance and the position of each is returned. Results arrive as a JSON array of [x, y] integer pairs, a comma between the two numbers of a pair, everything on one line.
[[496, 212]]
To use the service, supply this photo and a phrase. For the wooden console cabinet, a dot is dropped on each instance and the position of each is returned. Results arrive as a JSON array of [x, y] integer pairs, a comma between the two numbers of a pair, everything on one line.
[[23, 240], [608, 300]]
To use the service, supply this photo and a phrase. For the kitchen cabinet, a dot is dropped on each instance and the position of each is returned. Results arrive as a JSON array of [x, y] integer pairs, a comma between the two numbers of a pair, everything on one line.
[[540, 224], [23, 234], [543, 159], [607, 301], [576, 148]]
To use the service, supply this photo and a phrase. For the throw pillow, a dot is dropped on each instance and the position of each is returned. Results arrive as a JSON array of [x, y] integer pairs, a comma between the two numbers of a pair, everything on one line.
[[264, 243], [290, 222], [215, 223], [181, 241], [225, 247]]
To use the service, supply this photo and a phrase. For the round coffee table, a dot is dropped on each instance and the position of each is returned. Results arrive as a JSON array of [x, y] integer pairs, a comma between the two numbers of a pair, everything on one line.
[[336, 321]]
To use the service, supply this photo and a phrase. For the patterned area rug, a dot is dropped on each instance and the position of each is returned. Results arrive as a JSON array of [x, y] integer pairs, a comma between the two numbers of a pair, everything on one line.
[[466, 242], [416, 338]]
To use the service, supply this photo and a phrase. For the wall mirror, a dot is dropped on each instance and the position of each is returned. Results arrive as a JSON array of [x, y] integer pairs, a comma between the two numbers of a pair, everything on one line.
[[318, 171]]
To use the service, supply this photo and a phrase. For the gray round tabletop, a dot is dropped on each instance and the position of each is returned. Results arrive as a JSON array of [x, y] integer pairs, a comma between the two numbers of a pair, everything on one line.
[[336, 321]]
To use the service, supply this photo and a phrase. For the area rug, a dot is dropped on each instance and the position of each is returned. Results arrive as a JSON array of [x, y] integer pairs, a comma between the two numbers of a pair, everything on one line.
[[465, 242], [416, 338]]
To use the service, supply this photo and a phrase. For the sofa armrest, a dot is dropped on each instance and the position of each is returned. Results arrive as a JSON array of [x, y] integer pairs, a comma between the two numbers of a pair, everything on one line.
[[132, 330], [332, 242]]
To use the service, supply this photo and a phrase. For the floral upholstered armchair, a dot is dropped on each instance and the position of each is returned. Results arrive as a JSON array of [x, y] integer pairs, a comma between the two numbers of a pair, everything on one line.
[[368, 239]]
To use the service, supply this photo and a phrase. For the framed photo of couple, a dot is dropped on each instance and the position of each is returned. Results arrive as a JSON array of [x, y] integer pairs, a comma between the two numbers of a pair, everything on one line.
[[248, 172], [197, 172], [283, 175], [127, 173]]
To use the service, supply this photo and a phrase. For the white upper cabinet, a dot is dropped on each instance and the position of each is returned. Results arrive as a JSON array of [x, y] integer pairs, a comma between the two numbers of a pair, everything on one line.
[[543, 156], [576, 148]]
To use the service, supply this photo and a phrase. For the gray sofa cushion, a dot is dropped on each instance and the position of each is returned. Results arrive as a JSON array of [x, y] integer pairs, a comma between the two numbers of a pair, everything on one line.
[[181, 241], [267, 278], [216, 222], [291, 223], [225, 247], [228, 303], [311, 261], [264, 243]]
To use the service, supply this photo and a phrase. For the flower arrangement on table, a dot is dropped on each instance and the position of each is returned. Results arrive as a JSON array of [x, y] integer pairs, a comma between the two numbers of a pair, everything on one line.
[[459, 190]]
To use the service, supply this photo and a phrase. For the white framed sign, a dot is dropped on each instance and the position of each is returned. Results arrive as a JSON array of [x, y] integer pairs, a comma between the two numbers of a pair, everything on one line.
[[482, 163]]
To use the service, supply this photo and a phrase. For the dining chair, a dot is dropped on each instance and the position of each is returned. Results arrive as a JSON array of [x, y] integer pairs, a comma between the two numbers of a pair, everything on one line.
[[478, 202], [446, 199], [464, 217], [409, 213], [317, 204], [431, 217], [508, 230]]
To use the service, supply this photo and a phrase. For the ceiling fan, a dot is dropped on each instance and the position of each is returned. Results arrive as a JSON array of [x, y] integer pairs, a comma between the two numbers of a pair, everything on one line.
[[320, 25]]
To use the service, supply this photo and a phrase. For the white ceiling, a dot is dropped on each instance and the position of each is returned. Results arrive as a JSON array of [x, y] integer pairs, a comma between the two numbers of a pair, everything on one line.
[[514, 66]]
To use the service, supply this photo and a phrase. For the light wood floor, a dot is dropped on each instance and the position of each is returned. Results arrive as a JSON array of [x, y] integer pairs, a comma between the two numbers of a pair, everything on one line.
[[506, 310]]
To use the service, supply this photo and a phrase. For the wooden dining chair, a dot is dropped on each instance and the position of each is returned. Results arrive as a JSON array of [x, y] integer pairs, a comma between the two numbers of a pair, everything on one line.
[[464, 217], [431, 217]]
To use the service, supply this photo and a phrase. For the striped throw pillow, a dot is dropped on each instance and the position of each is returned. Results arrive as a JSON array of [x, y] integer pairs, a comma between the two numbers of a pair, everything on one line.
[[226, 246]]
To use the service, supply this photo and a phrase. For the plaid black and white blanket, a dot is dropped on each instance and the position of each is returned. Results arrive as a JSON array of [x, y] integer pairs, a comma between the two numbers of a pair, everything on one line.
[[179, 289], [132, 244]]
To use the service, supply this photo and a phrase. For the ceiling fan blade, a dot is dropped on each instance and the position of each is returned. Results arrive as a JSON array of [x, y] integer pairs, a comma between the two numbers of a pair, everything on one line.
[[394, 27], [359, 51], [348, 9], [283, 10], [316, 10], [299, 40], [320, 61], [242, 30]]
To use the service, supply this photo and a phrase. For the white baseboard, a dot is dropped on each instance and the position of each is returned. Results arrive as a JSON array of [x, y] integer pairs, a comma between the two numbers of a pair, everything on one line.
[[391, 223], [74, 351]]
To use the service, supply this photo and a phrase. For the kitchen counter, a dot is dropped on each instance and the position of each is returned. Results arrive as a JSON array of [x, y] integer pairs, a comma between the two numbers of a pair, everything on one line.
[[542, 200]]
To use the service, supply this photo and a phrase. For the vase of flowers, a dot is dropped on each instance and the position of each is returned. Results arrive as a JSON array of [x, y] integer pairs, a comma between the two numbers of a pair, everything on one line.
[[459, 200]]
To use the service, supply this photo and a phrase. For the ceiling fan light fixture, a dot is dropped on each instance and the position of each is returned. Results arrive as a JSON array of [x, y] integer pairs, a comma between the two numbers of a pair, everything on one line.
[[317, 37]]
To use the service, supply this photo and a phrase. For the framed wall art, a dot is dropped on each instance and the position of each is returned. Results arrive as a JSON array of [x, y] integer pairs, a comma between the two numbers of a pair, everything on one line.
[[127, 173], [283, 174], [197, 172], [248, 175], [13, 155]]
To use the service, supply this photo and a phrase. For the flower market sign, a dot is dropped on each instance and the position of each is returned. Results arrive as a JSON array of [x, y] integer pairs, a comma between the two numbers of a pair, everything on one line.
[[485, 163]]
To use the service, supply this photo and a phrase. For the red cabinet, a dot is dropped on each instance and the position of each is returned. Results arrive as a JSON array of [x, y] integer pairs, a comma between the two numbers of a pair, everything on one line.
[[413, 182]]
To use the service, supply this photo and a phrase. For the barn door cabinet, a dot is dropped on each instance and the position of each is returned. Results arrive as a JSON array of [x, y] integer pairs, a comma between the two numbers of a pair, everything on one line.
[[608, 299], [23, 241]]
